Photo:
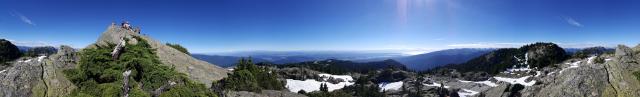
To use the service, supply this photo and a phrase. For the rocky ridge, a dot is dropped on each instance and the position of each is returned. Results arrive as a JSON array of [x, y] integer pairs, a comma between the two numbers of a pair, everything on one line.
[[586, 78], [576, 77]]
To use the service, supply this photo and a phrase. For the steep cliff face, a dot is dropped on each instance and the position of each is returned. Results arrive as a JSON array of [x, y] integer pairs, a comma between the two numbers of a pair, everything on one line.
[[38, 76], [184, 63]]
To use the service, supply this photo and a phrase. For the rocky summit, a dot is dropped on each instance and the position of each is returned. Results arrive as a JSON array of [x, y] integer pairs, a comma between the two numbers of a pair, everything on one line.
[[183, 63]]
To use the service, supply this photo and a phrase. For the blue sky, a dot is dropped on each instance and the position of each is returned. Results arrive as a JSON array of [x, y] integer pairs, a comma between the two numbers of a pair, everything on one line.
[[283, 25]]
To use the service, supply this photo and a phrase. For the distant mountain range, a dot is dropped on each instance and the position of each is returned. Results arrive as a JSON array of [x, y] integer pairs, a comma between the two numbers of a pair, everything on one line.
[[418, 62], [283, 57], [223, 61], [438, 58], [334, 66], [414, 62]]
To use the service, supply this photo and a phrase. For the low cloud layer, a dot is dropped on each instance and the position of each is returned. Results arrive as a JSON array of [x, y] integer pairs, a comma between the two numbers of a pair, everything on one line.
[[486, 45]]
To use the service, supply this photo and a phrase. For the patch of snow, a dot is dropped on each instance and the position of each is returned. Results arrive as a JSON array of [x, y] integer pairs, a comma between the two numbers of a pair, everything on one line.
[[311, 85], [575, 64], [551, 73], [467, 92], [590, 59], [516, 80], [435, 85], [608, 59], [29, 60], [538, 73], [343, 77], [519, 69], [230, 69], [571, 65], [526, 58], [40, 58], [391, 86], [464, 81], [3, 71], [488, 83]]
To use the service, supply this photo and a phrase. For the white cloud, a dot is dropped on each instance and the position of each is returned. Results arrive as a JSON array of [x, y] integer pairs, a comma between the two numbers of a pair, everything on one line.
[[573, 22], [23, 18], [486, 45]]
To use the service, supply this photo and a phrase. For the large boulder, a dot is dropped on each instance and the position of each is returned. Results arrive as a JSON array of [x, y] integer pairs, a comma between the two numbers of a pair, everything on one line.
[[39, 76], [620, 70], [21, 78]]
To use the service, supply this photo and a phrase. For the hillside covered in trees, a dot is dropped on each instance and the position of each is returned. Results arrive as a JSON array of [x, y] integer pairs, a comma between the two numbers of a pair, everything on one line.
[[538, 55]]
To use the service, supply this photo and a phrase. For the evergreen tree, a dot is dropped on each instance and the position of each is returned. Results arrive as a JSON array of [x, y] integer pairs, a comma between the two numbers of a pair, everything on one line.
[[242, 80], [247, 76], [323, 87]]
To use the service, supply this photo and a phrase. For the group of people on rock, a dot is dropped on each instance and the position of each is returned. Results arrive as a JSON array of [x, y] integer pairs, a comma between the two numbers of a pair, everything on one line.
[[125, 25]]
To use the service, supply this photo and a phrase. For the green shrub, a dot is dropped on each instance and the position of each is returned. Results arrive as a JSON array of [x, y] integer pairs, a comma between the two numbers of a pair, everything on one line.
[[599, 60], [637, 74], [179, 48], [336, 93], [302, 92], [97, 74], [189, 89]]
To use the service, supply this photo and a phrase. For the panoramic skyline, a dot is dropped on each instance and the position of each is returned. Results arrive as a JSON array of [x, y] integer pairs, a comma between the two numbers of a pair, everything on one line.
[[285, 25]]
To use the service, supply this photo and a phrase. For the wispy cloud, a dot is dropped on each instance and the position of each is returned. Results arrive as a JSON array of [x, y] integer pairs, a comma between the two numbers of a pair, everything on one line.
[[486, 45], [23, 18], [573, 22]]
